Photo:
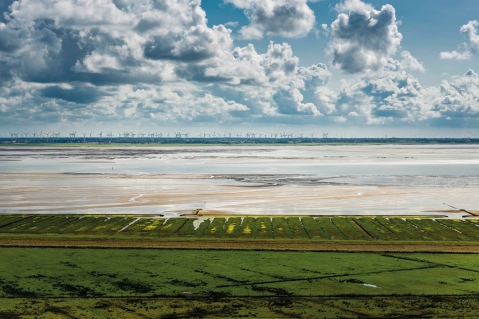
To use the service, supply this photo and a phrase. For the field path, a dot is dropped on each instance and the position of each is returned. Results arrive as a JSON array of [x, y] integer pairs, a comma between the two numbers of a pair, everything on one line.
[[222, 244]]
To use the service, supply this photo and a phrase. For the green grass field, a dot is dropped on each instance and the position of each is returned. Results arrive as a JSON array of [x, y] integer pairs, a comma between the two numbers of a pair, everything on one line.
[[109, 282], [66, 272], [264, 228], [303, 283]]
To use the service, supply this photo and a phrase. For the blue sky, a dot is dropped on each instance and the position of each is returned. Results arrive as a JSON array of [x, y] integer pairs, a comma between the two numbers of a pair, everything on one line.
[[352, 67]]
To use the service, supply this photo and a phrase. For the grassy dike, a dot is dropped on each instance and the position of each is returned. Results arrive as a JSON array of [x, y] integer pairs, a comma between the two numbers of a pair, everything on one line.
[[381, 230]]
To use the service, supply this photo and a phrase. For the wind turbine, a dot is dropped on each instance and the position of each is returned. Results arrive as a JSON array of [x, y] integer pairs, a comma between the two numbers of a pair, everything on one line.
[[325, 135], [84, 135]]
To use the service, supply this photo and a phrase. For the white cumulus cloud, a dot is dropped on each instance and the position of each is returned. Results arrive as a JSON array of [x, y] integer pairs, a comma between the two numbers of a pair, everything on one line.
[[363, 38], [286, 18], [460, 96], [455, 55], [469, 30], [411, 63]]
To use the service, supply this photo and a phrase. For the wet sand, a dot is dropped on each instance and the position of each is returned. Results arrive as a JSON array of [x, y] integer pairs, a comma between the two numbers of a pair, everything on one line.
[[273, 180], [177, 195]]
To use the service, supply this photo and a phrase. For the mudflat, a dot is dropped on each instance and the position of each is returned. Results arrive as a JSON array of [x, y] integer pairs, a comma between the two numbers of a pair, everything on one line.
[[430, 180]]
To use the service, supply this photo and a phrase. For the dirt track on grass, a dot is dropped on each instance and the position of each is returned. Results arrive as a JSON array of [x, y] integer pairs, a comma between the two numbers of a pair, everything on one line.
[[291, 245]]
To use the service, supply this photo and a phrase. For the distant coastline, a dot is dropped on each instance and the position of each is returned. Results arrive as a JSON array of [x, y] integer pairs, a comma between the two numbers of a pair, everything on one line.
[[170, 141]]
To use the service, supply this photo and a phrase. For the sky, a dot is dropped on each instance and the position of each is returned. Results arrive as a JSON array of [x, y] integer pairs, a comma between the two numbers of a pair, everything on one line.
[[352, 68]]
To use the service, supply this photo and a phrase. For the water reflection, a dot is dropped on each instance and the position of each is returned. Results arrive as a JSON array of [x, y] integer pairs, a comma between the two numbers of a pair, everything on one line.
[[321, 180]]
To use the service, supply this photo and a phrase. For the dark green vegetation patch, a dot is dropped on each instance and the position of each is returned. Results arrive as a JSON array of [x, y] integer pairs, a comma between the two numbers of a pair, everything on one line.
[[233, 307]]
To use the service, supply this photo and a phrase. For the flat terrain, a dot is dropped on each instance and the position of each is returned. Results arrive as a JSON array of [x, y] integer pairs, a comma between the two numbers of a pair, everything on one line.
[[267, 231], [69, 272], [83, 266], [263, 267], [319, 180], [423, 306], [132, 283]]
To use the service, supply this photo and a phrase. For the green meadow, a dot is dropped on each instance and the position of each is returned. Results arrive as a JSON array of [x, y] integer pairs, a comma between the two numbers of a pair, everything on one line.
[[146, 282], [68, 272], [56, 282]]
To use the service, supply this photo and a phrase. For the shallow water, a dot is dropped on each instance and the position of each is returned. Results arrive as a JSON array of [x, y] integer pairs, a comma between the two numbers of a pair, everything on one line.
[[321, 161], [316, 180]]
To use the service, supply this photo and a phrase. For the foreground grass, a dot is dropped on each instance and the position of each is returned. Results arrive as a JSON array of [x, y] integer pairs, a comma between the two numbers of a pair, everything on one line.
[[273, 307], [131, 283], [237, 267], [66, 272]]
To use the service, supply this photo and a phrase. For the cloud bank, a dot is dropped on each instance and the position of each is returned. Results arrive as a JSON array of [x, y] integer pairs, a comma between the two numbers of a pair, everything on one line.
[[83, 61]]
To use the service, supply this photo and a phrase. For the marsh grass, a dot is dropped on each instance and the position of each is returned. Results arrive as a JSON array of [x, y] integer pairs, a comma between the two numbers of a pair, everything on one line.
[[67, 272]]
